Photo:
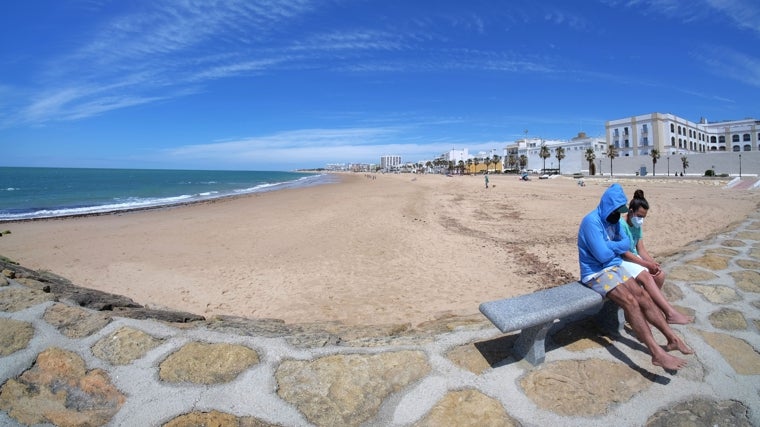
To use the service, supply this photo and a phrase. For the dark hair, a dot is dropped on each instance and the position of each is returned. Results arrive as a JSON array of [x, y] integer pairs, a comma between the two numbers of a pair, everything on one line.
[[638, 201]]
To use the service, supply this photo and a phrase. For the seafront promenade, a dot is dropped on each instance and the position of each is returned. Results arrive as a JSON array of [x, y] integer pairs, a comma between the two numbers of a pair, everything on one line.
[[72, 358]]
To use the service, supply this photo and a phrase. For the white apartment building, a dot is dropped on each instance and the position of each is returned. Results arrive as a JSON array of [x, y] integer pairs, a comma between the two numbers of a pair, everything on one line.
[[673, 135], [455, 156], [390, 162], [575, 153]]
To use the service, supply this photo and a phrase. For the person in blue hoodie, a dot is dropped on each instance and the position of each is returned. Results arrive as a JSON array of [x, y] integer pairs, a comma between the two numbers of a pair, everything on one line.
[[600, 246]]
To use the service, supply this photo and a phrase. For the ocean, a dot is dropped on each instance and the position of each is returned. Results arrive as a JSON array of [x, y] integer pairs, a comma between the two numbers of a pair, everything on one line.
[[29, 193]]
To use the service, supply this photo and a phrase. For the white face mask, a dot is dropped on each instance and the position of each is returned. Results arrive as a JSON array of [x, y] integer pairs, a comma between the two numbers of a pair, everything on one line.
[[637, 221]]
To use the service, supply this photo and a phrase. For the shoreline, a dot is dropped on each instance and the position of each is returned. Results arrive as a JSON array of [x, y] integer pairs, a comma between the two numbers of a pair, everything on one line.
[[397, 249], [108, 209]]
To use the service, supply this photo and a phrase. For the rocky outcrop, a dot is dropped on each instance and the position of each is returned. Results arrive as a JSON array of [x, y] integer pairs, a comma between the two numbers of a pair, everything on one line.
[[61, 289]]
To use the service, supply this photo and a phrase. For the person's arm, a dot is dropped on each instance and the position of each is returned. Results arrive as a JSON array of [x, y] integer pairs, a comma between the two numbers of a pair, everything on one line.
[[651, 264], [599, 246], [631, 257]]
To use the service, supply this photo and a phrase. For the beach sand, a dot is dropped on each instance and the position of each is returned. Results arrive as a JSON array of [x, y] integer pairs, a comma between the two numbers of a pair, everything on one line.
[[395, 249]]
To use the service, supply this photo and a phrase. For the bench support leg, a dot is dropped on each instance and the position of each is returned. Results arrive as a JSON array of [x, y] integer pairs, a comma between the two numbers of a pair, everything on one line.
[[531, 344], [611, 318]]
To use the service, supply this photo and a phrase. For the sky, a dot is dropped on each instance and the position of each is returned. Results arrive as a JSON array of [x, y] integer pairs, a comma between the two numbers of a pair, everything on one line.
[[289, 84]]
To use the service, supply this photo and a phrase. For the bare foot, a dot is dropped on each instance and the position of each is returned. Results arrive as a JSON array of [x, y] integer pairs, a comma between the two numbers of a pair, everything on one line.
[[677, 318], [679, 345], [668, 361]]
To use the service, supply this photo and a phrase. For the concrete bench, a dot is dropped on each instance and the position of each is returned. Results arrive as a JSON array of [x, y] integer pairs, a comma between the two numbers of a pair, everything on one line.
[[534, 314]]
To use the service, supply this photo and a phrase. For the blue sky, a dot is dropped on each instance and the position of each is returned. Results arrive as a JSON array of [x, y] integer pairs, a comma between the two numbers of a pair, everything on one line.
[[279, 85]]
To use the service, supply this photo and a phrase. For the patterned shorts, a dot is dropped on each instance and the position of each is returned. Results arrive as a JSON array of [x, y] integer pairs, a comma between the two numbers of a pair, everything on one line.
[[608, 279]]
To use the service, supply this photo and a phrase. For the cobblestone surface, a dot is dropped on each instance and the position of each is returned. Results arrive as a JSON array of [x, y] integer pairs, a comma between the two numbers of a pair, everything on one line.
[[67, 365]]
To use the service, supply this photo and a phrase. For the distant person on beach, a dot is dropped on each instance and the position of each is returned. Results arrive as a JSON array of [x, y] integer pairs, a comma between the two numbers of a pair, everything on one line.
[[486, 175], [601, 243], [639, 264]]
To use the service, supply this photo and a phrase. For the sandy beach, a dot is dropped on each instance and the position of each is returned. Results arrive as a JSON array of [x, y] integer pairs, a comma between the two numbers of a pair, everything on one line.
[[394, 249]]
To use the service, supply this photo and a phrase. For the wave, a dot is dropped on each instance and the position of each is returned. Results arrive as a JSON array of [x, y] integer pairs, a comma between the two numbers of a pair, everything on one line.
[[138, 203]]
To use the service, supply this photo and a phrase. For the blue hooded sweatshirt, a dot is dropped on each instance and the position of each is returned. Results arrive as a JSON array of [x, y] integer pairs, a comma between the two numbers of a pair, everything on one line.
[[600, 243]]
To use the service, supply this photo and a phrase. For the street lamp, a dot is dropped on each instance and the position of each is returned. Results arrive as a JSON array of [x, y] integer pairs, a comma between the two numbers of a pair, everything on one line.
[[740, 165], [668, 165]]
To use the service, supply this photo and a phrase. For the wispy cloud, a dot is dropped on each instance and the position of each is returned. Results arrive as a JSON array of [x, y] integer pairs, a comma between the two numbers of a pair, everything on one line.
[[728, 62], [317, 145], [328, 145], [159, 48], [744, 13]]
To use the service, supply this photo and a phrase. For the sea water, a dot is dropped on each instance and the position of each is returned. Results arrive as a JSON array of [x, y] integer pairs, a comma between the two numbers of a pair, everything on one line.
[[28, 193]]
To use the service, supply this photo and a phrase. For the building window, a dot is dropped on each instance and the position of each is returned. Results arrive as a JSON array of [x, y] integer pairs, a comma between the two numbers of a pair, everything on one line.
[[627, 144], [736, 148], [745, 137], [672, 141], [713, 139], [735, 138], [625, 131], [645, 141], [747, 147], [722, 139]]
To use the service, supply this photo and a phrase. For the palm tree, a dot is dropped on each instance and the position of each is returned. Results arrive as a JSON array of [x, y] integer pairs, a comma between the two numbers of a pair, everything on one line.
[[655, 154], [611, 153], [477, 162], [544, 153], [460, 166], [590, 157], [469, 165], [487, 161], [684, 163], [428, 165], [496, 160], [559, 153], [523, 161], [512, 161]]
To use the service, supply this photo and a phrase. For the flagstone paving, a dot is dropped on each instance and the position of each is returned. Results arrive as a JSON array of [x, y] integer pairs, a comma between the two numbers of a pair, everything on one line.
[[70, 357]]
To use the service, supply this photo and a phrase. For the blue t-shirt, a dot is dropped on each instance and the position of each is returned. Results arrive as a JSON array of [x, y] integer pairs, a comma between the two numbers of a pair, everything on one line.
[[634, 234]]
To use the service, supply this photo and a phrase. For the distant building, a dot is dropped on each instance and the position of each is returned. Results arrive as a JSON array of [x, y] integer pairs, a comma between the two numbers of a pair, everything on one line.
[[336, 167], [574, 150], [456, 156], [673, 135], [388, 163]]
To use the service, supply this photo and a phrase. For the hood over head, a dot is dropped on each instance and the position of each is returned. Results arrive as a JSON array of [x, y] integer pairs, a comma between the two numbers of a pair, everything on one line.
[[613, 199]]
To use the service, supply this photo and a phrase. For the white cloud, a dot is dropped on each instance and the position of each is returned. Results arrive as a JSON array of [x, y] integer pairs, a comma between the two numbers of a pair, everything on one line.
[[730, 63], [744, 13], [319, 146]]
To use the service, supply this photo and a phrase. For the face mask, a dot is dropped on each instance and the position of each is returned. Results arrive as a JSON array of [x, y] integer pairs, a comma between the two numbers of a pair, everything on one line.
[[637, 221]]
